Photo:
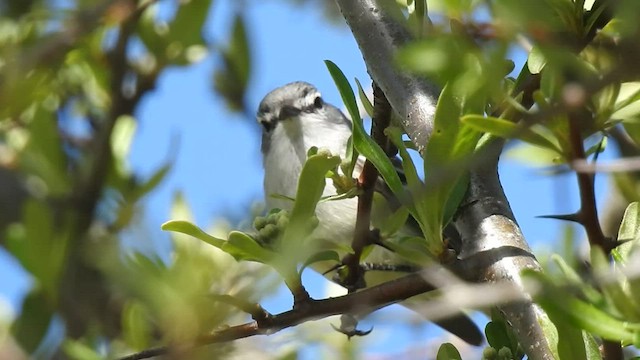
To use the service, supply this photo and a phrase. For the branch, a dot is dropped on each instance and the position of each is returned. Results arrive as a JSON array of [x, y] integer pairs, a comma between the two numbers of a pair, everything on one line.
[[380, 37], [361, 302], [490, 234]]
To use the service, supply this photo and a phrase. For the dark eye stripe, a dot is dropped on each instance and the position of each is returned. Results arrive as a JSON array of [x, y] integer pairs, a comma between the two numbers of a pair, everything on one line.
[[289, 111]]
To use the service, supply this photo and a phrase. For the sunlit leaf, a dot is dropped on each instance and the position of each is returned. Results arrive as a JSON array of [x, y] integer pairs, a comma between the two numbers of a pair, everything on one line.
[[362, 142], [366, 103], [536, 60], [629, 233], [186, 227]]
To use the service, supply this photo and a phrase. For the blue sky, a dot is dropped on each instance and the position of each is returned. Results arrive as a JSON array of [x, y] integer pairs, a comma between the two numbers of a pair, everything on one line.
[[218, 165]]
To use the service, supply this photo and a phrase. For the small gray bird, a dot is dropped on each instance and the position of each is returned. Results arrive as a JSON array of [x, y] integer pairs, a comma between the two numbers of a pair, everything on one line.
[[294, 118]]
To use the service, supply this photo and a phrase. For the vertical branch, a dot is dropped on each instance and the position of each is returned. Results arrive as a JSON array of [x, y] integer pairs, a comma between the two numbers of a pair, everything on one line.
[[587, 216], [367, 180]]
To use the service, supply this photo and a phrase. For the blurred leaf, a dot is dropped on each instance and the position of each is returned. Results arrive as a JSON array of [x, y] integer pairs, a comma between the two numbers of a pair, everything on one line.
[[411, 248], [152, 34], [232, 78], [43, 155], [570, 340], [536, 60], [156, 178], [451, 141], [121, 139], [448, 351], [186, 27], [507, 129], [533, 155], [31, 327], [180, 42], [442, 58], [40, 246], [77, 350], [136, 329], [565, 307]]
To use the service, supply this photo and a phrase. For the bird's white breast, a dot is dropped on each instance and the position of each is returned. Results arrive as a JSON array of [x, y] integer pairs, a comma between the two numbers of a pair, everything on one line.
[[284, 160]]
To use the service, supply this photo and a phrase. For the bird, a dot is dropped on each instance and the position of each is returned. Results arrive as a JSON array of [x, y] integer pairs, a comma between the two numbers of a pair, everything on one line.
[[295, 118]]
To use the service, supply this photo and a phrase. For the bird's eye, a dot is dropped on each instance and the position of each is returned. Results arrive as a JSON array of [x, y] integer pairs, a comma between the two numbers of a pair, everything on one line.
[[318, 102]]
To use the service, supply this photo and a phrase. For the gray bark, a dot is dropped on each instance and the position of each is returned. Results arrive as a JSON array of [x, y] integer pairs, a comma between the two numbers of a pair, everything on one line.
[[492, 243]]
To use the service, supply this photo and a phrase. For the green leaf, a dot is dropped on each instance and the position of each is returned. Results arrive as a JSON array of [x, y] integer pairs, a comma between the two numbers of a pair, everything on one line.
[[310, 187], [243, 247], [629, 233], [349, 100], [448, 351], [451, 141], [368, 106], [186, 227], [361, 141], [507, 129], [536, 60], [592, 347], [346, 92], [497, 336], [239, 245], [410, 172]]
